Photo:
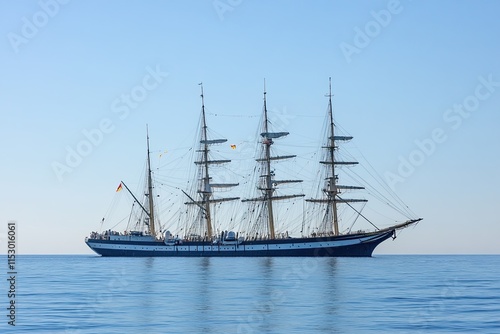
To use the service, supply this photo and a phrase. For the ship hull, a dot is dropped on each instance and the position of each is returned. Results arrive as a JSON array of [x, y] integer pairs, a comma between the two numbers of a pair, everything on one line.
[[355, 245]]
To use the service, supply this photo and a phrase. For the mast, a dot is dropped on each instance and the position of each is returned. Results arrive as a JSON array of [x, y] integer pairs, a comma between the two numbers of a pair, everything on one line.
[[205, 189], [268, 188], [332, 189], [269, 185], [152, 230]]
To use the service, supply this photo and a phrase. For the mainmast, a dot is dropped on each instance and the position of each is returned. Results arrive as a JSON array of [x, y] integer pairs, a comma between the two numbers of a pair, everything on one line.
[[332, 185], [268, 189], [332, 188], [206, 186], [206, 191], [150, 193], [268, 183]]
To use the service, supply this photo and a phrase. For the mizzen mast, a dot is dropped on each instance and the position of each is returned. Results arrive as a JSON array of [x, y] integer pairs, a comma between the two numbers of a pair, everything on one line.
[[206, 185], [152, 229]]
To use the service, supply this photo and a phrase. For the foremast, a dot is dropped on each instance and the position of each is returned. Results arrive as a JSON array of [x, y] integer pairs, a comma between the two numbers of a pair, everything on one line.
[[268, 184], [205, 190], [332, 189]]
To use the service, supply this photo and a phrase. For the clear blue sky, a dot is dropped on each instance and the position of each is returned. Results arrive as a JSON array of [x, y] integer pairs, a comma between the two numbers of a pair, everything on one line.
[[404, 72]]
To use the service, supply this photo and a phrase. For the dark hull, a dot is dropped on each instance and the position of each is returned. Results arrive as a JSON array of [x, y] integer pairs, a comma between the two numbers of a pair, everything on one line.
[[358, 245]]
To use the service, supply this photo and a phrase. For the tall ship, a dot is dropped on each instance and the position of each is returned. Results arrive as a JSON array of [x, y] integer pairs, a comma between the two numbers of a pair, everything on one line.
[[261, 231]]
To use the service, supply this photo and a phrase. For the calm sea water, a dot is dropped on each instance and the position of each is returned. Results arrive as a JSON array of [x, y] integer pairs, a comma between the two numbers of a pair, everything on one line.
[[383, 294]]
